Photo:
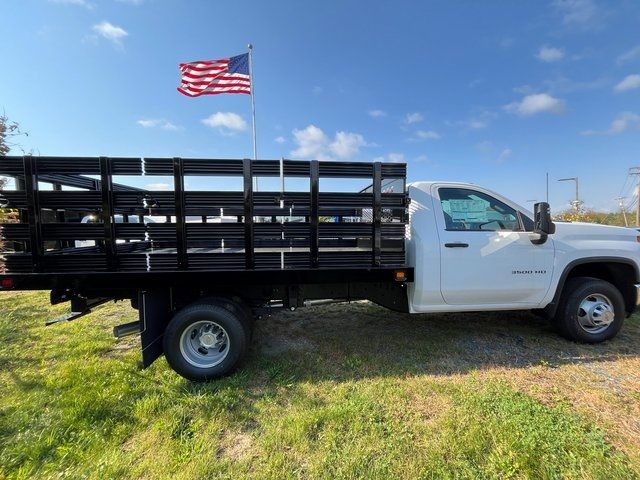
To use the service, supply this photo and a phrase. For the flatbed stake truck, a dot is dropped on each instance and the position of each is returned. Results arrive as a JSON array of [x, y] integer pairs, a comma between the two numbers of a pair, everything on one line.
[[202, 259]]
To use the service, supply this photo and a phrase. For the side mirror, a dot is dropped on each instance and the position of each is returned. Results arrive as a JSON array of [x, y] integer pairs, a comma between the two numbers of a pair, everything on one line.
[[542, 219], [542, 223]]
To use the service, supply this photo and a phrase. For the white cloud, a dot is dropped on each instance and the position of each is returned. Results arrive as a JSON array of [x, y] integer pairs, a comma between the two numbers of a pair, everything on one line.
[[550, 54], [227, 122], [505, 155], [490, 152], [628, 55], [157, 186], [377, 113], [413, 118], [317, 90], [391, 157], [475, 124], [478, 121], [536, 103], [79, 3], [279, 140], [170, 126], [159, 123], [427, 134], [630, 82], [312, 142], [582, 14], [132, 2], [148, 123], [111, 32], [347, 144], [623, 122], [396, 157]]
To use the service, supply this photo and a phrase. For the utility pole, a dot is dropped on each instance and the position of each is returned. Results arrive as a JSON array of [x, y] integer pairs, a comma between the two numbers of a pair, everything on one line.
[[547, 200], [624, 210], [635, 171], [576, 202]]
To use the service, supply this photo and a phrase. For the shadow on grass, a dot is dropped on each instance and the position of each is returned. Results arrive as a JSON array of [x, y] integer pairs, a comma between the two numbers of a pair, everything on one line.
[[363, 340]]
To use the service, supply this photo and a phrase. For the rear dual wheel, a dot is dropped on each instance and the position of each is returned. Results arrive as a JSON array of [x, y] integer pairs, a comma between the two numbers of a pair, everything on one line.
[[207, 340]]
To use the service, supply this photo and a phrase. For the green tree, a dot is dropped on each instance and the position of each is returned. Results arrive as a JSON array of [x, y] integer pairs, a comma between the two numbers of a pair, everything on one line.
[[591, 216], [9, 130]]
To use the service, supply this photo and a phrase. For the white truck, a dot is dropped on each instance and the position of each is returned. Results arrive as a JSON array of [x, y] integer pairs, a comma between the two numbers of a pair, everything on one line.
[[485, 253], [199, 284]]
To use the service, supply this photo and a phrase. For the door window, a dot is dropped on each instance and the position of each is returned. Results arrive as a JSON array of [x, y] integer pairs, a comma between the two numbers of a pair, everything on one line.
[[470, 210]]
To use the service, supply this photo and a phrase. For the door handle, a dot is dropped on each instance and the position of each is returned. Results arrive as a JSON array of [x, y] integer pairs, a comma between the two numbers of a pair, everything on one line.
[[456, 245]]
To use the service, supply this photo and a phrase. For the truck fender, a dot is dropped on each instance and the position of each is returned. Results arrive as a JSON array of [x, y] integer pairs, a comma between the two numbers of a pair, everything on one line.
[[550, 308]]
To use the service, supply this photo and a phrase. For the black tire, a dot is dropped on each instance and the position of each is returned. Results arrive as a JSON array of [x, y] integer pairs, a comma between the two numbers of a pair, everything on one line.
[[235, 306], [578, 289], [232, 326]]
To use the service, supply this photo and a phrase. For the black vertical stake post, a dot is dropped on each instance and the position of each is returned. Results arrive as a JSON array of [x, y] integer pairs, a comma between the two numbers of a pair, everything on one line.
[[33, 211], [60, 217], [314, 218], [247, 174], [377, 212], [181, 227], [125, 219], [106, 187], [23, 215]]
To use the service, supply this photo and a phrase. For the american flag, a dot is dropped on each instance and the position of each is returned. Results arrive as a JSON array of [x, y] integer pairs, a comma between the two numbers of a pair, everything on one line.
[[211, 77]]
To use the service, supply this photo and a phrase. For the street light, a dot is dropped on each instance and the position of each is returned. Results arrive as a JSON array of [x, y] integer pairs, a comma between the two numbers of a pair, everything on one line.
[[576, 202]]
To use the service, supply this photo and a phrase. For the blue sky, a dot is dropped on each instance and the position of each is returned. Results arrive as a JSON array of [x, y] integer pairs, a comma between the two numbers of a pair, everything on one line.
[[495, 93]]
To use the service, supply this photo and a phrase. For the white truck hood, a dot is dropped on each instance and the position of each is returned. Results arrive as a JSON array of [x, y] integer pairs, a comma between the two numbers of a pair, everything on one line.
[[581, 230], [578, 240]]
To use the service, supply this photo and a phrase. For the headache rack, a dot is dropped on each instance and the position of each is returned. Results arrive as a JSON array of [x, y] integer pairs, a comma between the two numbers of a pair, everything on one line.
[[101, 214]]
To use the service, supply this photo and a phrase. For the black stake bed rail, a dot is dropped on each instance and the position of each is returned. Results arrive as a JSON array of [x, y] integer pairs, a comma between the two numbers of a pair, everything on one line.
[[75, 216]]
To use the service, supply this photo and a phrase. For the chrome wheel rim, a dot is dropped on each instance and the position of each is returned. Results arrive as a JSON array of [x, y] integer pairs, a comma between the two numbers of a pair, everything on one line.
[[595, 313], [204, 344]]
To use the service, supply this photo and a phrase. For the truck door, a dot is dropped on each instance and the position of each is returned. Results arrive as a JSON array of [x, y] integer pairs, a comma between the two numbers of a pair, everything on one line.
[[487, 257]]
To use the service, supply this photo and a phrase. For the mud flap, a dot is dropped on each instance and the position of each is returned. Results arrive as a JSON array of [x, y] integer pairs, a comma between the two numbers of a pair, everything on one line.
[[154, 314]]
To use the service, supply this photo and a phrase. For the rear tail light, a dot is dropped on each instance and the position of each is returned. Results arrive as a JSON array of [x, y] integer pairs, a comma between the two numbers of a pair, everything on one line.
[[6, 283]]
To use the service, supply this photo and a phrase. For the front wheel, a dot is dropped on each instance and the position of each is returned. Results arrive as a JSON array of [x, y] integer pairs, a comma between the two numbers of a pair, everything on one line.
[[204, 341], [590, 310]]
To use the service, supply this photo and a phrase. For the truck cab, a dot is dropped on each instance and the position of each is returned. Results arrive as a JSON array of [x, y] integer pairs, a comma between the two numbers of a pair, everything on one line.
[[475, 250]]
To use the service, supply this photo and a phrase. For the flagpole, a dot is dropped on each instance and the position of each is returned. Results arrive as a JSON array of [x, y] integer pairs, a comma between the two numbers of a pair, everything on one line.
[[253, 107]]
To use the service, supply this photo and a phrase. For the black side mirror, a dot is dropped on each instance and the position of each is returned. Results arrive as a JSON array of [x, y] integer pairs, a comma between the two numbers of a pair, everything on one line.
[[542, 223], [542, 219]]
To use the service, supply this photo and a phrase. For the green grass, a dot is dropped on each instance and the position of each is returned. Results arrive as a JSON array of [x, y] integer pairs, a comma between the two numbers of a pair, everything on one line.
[[335, 392]]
